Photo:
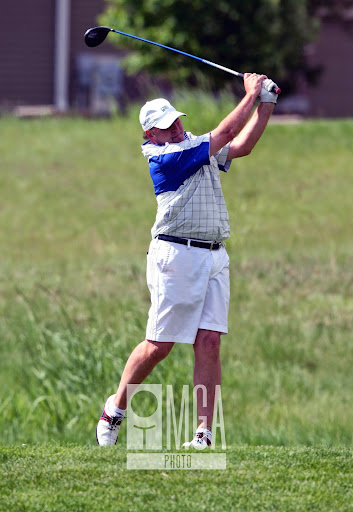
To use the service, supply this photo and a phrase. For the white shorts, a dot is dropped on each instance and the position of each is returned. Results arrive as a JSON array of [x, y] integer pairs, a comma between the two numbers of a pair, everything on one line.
[[189, 289]]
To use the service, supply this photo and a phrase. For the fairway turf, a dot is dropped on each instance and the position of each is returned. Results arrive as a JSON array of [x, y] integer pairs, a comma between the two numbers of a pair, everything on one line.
[[57, 478]]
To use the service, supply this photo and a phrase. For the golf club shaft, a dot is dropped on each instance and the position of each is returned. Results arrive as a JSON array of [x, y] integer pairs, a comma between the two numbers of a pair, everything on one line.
[[236, 73]]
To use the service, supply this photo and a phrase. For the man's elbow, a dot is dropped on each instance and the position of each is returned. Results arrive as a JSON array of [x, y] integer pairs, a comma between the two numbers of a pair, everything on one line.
[[245, 151], [237, 151]]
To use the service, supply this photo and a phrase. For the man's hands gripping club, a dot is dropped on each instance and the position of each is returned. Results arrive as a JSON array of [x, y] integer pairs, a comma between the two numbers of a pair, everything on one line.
[[266, 94], [255, 86], [265, 91]]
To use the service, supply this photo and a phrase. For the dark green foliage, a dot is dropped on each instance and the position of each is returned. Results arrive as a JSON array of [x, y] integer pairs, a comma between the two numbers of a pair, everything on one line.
[[266, 36]]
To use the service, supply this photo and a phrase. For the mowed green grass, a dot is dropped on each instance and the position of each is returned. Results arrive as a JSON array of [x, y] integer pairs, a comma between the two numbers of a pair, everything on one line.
[[61, 478], [77, 206]]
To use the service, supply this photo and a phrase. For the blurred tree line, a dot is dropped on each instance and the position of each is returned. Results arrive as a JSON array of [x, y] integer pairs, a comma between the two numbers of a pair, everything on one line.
[[265, 36]]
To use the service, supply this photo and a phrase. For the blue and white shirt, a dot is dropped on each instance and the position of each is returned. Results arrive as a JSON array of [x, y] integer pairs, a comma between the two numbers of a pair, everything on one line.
[[188, 188]]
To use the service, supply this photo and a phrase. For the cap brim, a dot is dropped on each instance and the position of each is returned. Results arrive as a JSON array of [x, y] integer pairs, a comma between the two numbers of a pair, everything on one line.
[[168, 119]]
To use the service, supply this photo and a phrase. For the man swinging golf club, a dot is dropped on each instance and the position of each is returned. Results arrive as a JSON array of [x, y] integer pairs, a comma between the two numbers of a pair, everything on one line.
[[187, 263]]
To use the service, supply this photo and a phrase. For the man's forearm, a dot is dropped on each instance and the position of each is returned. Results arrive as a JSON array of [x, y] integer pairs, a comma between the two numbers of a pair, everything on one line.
[[237, 119], [247, 139], [232, 125]]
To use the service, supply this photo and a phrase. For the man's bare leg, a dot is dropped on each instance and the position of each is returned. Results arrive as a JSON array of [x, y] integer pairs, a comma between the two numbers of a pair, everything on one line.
[[141, 362], [207, 372]]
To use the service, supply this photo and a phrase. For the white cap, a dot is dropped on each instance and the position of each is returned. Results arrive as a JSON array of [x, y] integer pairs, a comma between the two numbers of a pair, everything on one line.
[[158, 113]]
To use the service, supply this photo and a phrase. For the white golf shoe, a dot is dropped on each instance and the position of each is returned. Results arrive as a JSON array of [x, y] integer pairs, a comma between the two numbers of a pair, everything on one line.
[[202, 439], [108, 429]]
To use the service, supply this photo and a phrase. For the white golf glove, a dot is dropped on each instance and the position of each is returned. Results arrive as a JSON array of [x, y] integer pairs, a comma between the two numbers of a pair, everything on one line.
[[266, 94]]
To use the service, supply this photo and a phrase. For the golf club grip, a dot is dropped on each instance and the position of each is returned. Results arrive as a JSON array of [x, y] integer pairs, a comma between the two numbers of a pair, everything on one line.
[[275, 89]]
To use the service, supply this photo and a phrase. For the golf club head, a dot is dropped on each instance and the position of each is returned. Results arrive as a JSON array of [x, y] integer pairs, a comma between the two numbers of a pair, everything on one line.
[[95, 36]]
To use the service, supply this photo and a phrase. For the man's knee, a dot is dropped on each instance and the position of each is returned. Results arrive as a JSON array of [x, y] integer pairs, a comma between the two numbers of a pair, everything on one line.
[[159, 350], [208, 343]]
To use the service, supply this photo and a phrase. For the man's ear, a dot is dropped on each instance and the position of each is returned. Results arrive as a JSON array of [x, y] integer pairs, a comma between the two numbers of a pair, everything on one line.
[[149, 135]]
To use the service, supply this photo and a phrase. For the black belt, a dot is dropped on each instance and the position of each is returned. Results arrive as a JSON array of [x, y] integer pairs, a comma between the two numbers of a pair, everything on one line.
[[214, 246]]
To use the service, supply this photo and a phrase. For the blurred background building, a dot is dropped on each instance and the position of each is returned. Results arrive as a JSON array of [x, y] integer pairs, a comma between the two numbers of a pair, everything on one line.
[[45, 64]]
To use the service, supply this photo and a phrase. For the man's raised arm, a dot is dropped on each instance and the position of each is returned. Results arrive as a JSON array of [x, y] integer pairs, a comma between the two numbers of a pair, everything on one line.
[[232, 125], [244, 143]]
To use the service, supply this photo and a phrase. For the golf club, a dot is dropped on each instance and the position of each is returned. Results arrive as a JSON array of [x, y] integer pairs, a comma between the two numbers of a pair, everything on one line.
[[95, 36]]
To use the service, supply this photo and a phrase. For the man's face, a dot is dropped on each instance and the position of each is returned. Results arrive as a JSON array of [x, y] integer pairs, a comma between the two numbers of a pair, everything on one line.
[[175, 133]]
